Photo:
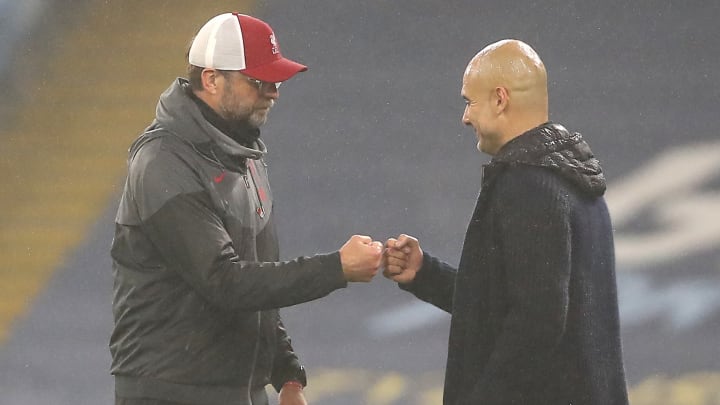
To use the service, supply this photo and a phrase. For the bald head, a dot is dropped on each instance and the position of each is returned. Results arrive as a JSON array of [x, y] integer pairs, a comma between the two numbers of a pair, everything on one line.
[[511, 78], [514, 65]]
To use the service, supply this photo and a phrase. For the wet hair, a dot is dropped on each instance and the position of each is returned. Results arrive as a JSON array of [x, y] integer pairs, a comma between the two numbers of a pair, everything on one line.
[[194, 73], [195, 77]]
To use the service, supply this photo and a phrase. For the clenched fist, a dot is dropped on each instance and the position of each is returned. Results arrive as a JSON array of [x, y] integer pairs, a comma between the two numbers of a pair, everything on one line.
[[361, 258], [402, 259]]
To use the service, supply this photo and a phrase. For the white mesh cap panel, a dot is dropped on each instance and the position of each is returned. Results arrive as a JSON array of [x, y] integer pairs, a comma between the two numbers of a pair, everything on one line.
[[219, 44]]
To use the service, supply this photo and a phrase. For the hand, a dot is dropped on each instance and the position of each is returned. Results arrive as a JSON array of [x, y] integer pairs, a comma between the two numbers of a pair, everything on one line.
[[291, 394], [361, 257], [402, 259]]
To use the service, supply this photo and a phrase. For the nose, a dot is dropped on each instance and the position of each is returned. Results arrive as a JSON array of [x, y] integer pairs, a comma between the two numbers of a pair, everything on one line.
[[271, 91], [465, 120]]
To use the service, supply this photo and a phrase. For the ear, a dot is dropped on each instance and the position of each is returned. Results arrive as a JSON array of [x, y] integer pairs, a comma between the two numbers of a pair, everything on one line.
[[501, 99], [210, 80]]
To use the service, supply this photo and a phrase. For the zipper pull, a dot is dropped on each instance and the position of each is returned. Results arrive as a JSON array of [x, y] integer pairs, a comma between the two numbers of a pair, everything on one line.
[[247, 183]]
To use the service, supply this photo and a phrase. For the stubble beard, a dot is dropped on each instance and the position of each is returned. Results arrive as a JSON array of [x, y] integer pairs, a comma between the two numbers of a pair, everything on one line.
[[478, 137], [234, 111], [258, 117], [231, 110]]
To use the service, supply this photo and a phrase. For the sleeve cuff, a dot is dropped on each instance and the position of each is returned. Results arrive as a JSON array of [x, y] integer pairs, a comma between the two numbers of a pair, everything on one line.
[[298, 375], [332, 261], [421, 275]]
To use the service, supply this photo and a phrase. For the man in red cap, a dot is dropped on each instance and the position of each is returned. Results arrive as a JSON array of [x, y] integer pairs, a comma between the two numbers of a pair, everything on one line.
[[197, 281]]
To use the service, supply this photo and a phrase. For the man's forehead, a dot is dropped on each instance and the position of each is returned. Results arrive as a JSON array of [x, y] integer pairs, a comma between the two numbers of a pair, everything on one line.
[[476, 70], [472, 79], [470, 69], [463, 87]]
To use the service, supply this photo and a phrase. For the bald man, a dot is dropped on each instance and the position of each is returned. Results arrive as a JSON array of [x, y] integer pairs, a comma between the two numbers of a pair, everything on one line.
[[533, 301]]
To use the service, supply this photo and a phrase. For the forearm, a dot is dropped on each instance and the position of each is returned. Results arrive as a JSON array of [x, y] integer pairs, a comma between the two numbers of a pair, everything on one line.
[[192, 240], [260, 286], [434, 283], [286, 367]]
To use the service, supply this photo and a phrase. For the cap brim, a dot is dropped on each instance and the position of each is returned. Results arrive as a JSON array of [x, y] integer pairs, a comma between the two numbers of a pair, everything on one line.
[[278, 70]]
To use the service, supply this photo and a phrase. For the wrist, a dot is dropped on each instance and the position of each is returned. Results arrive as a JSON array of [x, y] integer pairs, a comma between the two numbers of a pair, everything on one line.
[[292, 384]]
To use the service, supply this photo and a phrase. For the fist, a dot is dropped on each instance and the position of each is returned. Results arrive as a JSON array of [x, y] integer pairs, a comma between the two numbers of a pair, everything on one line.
[[402, 259], [361, 258]]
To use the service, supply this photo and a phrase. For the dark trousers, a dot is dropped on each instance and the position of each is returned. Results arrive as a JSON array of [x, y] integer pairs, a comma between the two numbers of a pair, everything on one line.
[[259, 397], [141, 401]]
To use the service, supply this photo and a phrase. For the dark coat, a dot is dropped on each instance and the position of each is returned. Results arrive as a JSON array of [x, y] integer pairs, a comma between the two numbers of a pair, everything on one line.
[[197, 281], [533, 301]]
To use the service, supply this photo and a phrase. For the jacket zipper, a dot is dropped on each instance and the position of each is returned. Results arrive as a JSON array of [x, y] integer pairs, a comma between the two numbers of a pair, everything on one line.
[[261, 212], [253, 174]]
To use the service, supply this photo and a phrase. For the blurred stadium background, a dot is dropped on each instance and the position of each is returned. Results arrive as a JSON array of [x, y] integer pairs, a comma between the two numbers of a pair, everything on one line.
[[369, 140]]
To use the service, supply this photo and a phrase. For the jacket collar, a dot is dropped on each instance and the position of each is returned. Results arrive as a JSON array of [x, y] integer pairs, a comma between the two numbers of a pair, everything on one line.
[[551, 146], [240, 131], [179, 114]]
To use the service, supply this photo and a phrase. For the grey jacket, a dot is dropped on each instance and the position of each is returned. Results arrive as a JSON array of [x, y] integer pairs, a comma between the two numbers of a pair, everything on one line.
[[197, 281]]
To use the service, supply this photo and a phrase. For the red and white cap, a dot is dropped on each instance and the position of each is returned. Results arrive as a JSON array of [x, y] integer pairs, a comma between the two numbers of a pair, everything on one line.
[[233, 41]]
